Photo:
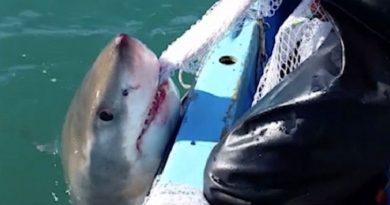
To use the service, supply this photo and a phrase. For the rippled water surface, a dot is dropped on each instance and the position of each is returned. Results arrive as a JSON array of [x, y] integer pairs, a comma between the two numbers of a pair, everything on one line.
[[46, 47]]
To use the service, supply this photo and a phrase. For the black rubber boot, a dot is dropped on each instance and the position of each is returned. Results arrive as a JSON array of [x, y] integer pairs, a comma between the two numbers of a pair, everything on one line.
[[321, 136]]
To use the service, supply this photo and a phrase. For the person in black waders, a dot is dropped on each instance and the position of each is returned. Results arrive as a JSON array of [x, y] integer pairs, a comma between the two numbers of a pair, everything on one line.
[[335, 149]]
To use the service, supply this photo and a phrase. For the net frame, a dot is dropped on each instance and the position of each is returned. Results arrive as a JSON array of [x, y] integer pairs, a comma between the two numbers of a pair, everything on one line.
[[298, 38]]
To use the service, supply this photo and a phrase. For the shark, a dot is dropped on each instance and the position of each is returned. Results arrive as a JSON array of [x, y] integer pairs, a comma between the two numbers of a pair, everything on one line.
[[118, 126]]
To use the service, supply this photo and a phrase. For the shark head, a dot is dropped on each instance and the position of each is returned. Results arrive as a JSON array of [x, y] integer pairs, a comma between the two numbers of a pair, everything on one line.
[[118, 126]]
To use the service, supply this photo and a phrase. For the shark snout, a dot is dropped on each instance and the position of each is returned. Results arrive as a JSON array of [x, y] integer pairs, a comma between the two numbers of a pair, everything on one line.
[[122, 40]]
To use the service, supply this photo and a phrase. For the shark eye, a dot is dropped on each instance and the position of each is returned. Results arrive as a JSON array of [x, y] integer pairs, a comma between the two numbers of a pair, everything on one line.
[[125, 92], [106, 115]]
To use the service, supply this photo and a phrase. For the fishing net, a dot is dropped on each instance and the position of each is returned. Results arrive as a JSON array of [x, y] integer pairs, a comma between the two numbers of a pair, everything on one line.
[[299, 37], [189, 51], [268, 8], [222, 22], [175, 194]]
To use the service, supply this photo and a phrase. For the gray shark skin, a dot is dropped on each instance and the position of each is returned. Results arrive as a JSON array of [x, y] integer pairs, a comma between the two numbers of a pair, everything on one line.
[[118, 125]]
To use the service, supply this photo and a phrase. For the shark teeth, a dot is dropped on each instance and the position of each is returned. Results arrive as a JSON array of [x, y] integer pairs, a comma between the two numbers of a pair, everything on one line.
[[155, 108]]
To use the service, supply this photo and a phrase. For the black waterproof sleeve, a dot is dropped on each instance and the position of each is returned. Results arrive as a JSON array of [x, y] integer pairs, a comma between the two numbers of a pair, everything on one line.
[[374, 14], [318, 137]]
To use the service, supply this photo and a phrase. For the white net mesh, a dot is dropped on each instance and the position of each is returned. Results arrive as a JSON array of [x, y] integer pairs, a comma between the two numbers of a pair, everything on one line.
[[172, 194], [191, 55], [299, 37], [184, 54], [268, 8]]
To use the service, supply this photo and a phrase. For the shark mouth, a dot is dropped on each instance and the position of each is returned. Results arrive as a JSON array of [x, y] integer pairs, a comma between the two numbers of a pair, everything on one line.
[[159, 98]]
